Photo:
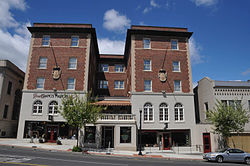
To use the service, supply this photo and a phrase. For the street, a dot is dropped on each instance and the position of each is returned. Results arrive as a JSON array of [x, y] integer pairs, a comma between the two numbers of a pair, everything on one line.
[[11, 156]]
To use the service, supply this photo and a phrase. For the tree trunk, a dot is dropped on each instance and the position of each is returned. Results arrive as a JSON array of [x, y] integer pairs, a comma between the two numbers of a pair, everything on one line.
[[77, 129]]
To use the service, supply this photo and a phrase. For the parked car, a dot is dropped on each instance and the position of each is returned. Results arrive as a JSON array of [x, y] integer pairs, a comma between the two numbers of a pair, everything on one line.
[[228, 155]]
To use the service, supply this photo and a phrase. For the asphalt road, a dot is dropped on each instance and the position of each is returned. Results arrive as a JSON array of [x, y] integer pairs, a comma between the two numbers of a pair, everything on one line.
[[33, 157]]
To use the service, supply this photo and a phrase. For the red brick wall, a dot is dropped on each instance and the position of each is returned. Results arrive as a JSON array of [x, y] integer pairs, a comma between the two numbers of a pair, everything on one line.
[[156, 55], [61, 45]]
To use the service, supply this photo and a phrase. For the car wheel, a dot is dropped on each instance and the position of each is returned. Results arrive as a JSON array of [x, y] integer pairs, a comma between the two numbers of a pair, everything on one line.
[[219, 159], [247, 161]]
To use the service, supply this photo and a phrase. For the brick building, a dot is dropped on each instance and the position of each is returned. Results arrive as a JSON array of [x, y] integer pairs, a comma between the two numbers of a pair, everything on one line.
[[154, 75]]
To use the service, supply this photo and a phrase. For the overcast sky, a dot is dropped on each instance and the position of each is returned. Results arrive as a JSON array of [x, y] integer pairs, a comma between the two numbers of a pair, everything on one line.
[[219, 46]]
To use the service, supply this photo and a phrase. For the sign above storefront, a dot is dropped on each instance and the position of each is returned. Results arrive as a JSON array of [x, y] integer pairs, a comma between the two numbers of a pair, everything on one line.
[[44, 95]]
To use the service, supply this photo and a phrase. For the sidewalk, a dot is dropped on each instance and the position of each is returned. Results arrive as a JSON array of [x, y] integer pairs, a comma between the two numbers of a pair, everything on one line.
[[111, 152]]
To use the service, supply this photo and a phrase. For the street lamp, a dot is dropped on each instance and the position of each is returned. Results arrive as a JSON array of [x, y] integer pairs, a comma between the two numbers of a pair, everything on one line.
[[140, 135]]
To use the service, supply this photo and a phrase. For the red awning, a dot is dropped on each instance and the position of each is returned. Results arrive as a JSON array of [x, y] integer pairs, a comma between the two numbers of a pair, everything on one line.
[[113, 103]]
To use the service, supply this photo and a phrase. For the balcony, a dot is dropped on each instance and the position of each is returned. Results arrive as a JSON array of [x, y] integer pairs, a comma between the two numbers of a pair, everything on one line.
[[116, 117]]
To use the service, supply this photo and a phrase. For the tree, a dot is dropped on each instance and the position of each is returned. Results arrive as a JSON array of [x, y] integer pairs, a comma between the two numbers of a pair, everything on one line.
[[79, 111], [227, 119]]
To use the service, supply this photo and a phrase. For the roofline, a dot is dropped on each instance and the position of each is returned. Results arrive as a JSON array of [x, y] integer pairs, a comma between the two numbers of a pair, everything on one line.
[[61, 23], [158, 27]]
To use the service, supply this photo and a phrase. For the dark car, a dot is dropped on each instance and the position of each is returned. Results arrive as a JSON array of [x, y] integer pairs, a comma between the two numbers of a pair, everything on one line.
[[228, 155]]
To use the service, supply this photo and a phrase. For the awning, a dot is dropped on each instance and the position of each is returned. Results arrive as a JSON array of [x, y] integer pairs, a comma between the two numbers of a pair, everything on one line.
[[113, 103]]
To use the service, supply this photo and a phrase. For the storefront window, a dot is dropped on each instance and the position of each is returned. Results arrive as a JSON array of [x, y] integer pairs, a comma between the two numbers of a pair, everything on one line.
[[181, 138], [89, 134], [149, 139], [125, 135]]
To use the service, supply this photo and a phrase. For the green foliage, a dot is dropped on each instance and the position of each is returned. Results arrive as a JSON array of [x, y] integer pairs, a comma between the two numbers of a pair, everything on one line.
[[228, 118], [76, 149]]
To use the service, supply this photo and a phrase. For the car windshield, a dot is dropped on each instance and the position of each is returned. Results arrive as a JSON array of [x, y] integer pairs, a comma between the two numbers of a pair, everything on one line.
[[223, 150]]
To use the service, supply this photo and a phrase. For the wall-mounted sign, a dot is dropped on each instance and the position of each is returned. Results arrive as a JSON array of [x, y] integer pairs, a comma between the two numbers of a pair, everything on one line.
[[56, 73], [162, 75], [43, 96]]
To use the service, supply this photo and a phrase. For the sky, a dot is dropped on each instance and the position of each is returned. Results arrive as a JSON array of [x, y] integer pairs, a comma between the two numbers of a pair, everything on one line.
[[219, 47]]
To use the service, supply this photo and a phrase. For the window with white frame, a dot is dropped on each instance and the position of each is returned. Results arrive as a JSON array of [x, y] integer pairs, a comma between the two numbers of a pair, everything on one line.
[[147, 85], [119, 68], [104, 67], [37, 107], [146, 43], [43, 63], [53, 108], [71, 84], [176, 66], [147, 65], [72, 63], [74, 41], [103, 84], [148, 113], [163, 114], [178, 112], [119, 84], [45, 40], [177, 85], [174, 44], [40, 83]]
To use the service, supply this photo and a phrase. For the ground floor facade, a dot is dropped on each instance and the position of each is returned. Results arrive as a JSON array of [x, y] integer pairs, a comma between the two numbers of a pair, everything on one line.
[[8, 128]]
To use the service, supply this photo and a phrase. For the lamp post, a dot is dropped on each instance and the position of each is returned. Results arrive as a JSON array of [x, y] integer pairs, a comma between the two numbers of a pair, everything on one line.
[[140, 153]]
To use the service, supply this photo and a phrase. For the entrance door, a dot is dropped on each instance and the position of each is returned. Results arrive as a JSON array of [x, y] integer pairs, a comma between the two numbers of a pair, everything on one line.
[[166, 141], [52, 133], [108, 136], [206, 143]]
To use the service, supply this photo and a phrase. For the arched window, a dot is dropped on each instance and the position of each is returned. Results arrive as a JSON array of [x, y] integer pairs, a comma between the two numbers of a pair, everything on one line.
[[38, 107], [163, 112], [53, 108], [178, 112], [148, 112]]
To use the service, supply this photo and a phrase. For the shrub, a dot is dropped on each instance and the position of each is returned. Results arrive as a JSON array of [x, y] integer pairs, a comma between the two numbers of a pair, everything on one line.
[[76, 149]]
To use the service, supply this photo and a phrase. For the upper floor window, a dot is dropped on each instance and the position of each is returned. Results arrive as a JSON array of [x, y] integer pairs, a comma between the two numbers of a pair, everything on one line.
[[119, 84], [37, 107], [74, 41], [119, 68], [45, 41], [71, 84], [146, 43], [147, 65], [147, 85], [178, 112], [163, 116], [104, 67], [148, 112], [249, 104], [5, 113], [176, 66], [177, 85], [103, 84], [174, 44], [9, 88], [72, 63], [40, 83], [53, 108], [43, 63]]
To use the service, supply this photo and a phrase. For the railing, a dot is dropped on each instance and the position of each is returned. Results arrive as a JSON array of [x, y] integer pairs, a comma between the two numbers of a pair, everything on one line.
[[117, 117]]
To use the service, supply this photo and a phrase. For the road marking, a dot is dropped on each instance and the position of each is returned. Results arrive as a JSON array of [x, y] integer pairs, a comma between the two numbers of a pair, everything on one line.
[[22, 164]]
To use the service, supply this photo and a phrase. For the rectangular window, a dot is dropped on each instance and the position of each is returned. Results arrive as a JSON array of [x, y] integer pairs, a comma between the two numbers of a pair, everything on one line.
[[176, 66], [119, 68], [146, 43], [177, 85], [174, 44], [89, 135], [5, 113], [43, 63], [72, 63], [249, 104], [45, 41], [40, 83], [71, 84], [147, 85], [9, 88], [147, 65], [206, 106], [104, 67], [74, 41], [103, 84], [125, 134], [119, 84]]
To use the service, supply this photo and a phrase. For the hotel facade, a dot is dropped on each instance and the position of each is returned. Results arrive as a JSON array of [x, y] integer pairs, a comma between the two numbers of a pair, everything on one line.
[[153, 77]]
